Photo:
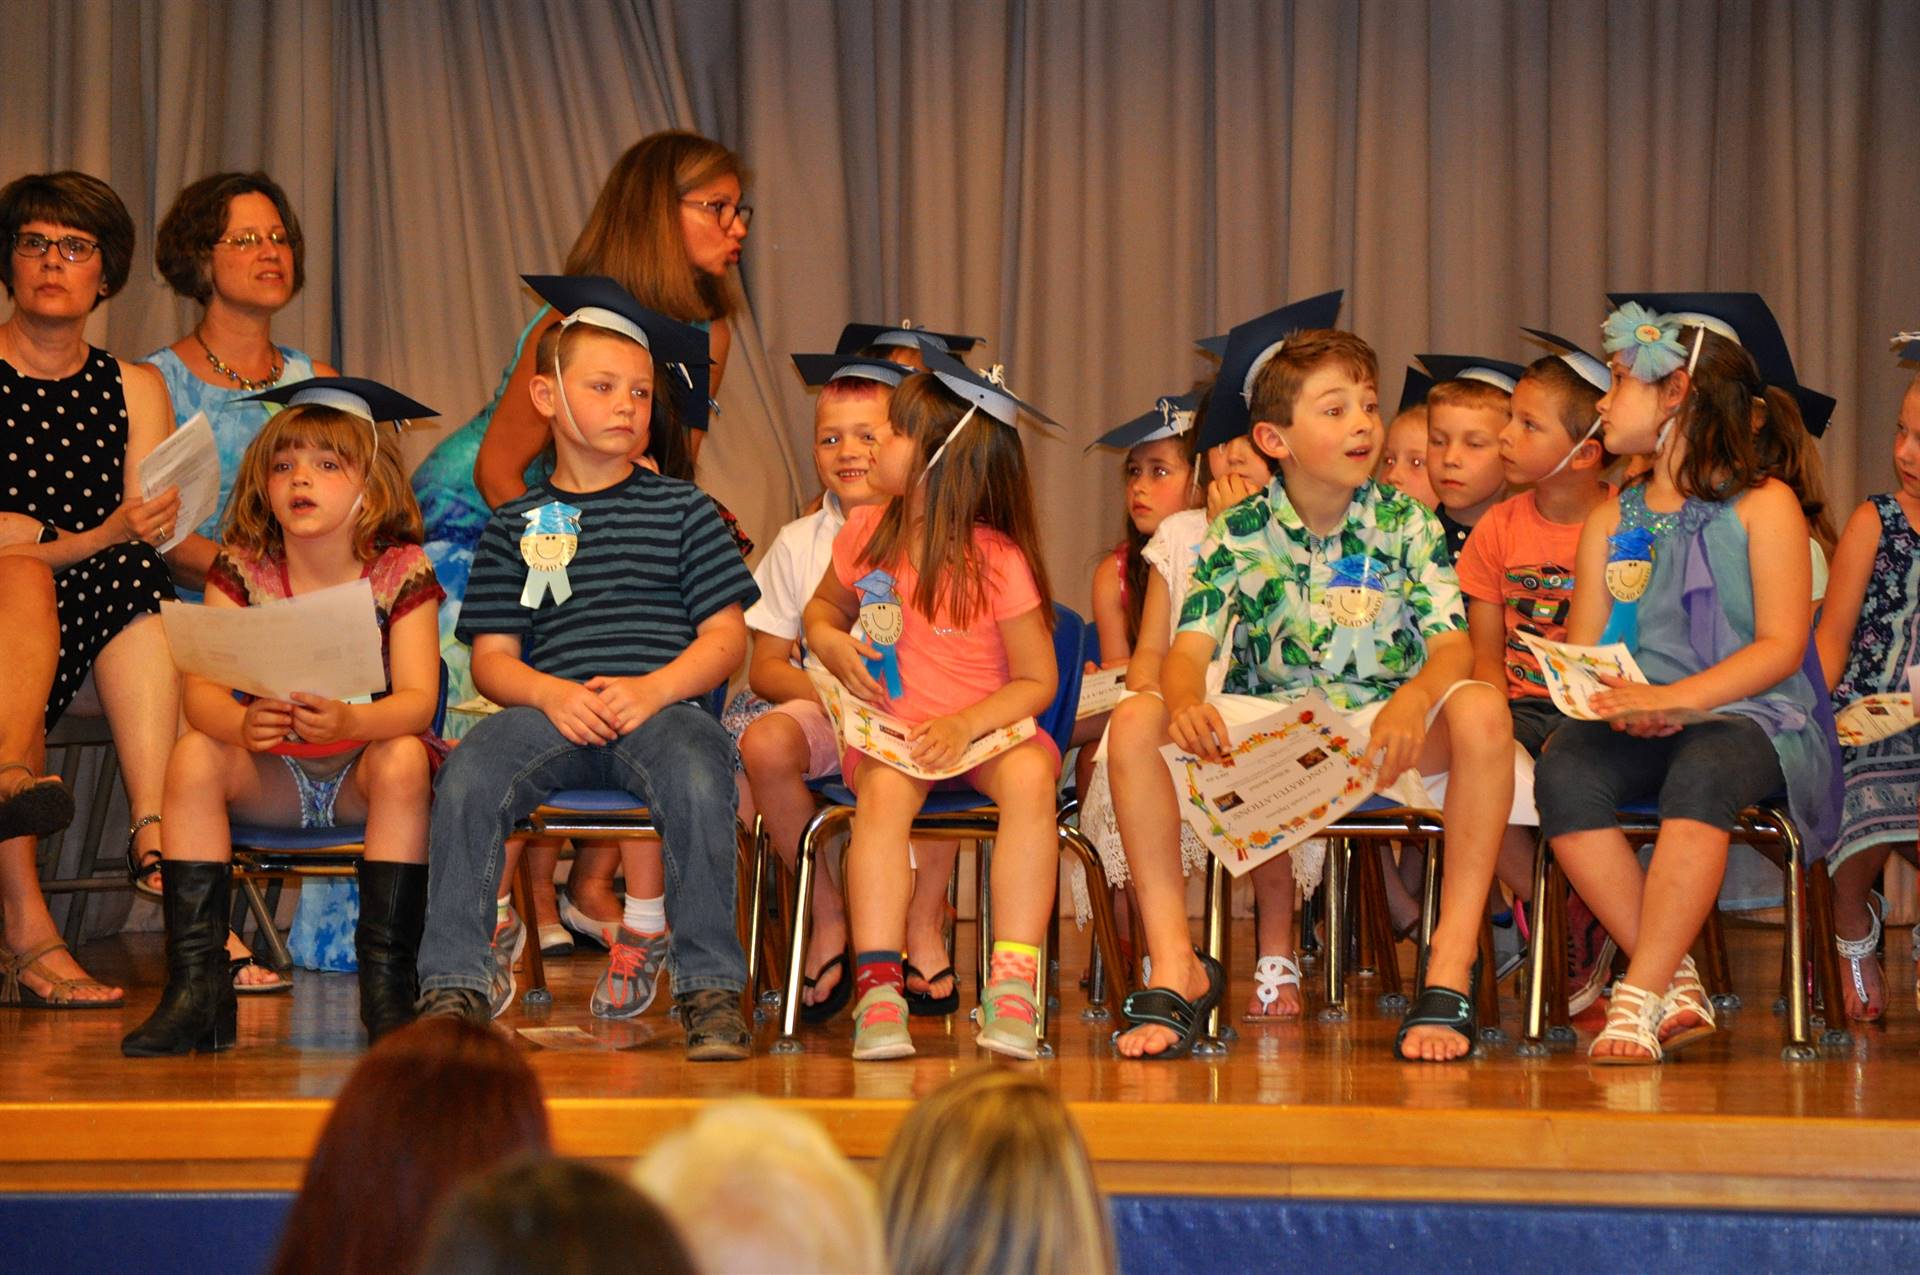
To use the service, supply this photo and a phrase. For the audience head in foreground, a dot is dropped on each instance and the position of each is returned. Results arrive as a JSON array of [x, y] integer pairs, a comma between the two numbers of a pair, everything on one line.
[[537, 1216], [988, 1175], [431, 1103], [755, 1188]]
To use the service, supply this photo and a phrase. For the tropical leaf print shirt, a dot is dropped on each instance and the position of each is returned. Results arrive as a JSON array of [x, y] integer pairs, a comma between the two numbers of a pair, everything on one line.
[[1260, 567]]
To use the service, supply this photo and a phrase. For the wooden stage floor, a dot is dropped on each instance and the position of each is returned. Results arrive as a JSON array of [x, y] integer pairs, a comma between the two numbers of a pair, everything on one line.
[[1303, 1109]]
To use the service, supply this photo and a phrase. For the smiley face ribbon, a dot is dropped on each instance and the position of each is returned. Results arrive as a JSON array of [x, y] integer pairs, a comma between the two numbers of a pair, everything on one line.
[[1355, 595], [882, 619], [548, 544]]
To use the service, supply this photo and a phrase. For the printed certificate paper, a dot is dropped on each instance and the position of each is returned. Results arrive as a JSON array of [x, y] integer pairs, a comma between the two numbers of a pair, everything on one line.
[[186, 459], [323, 643], [1573, 672], [1100, 691], [867, 729], [1289, 775], [1872, 718]]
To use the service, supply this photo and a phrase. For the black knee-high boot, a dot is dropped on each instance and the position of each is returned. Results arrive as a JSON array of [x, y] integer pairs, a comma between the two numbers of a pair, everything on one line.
[[393, 915], [197, 1011]]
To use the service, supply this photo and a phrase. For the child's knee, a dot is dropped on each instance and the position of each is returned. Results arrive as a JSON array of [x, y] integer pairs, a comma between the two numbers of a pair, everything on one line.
[[396, 767], [1140, 721], [772, 746], [197, 758], [1478, 719]]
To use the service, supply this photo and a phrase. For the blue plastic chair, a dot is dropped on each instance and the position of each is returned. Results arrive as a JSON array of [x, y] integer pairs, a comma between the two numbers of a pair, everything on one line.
[[606, 814], [963, 814], [271, 851]]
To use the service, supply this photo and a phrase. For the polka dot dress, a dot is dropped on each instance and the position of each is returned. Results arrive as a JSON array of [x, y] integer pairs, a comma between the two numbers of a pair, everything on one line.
[[63, 450]]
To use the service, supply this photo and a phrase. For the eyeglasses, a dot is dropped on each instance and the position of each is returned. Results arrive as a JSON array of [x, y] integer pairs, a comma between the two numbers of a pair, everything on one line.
[[72, 247], [248, 240], [724, 211]]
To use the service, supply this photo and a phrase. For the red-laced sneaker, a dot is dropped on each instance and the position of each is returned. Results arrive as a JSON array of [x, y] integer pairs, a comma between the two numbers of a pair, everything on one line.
[[880, 1025], [1009, 1020]]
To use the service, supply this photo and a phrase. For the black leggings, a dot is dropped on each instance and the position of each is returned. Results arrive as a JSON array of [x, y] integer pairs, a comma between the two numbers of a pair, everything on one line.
[[1708, 772]]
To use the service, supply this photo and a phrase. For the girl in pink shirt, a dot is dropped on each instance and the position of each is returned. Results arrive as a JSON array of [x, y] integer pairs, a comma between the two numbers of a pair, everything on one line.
[[948, 584]]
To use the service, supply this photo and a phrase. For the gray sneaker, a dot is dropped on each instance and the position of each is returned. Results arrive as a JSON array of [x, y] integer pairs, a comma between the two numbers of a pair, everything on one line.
[[509, 939], [453, 1002], [632, 975]]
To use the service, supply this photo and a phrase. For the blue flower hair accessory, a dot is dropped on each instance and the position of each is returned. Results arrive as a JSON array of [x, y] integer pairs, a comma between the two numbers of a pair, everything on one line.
[[1649, 342]]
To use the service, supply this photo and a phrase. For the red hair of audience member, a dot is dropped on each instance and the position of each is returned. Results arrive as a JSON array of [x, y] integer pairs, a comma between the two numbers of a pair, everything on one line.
[[434, 1103]]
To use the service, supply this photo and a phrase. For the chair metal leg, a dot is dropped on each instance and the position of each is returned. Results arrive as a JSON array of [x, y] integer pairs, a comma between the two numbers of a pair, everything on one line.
[[753, 846], [1366, 950], [1715, 971], [535, 962], [1799, 1046], [1486, 1000], [1309, 944], [1826, 959], [817, 831], [1043, 977], [1372, 885], [1216, 925], [1333, 886], [983, 909], [1429, 911], [1533, 1035], [268, 934], [1107, 962], [1559, 1024]]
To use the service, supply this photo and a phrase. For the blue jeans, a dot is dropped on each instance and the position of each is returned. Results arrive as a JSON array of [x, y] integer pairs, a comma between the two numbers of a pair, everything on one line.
[[680, 762]]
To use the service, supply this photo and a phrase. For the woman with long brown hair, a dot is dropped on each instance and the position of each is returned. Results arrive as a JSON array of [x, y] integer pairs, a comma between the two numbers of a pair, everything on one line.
[[668, 226]]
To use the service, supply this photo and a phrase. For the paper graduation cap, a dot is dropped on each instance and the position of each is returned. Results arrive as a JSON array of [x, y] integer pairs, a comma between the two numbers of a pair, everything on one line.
[[817, 369], [1471, 367], [1745, 319], [1172, 416], [1907, 346], [986, 391], [602, 303], [1245, 350], [1589, 369], [1413, 391], [859, 336], [369, 400]]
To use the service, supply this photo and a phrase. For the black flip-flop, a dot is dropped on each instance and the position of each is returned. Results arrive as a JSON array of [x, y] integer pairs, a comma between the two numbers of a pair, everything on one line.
[[926, 1004], [829, 1009], [1162, 1007], [1442, 1007], [36, 810]]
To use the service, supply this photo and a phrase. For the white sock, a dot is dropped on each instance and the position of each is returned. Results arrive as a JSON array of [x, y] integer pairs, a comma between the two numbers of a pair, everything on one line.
[[645, 916], [500, 907]]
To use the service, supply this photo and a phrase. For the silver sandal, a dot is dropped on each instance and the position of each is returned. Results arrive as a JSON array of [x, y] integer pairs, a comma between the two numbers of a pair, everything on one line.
[[1857, 950]]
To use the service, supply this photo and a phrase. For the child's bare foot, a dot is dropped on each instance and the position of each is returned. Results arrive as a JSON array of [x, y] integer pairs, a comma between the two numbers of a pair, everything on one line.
[[1276, 989], [828, 940], [1186, 977], [1865, 987], [1441, 1042], [251, 975], [927, 955]]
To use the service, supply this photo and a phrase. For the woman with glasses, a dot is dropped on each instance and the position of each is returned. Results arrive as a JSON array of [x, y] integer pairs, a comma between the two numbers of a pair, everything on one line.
[[75, 423], [232, 243], [668, 226]]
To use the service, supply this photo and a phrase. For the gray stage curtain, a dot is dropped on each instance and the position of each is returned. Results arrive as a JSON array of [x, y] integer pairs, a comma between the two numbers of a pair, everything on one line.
[[1091, 183]]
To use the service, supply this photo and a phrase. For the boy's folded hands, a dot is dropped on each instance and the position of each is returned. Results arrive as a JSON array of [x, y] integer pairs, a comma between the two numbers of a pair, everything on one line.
[[632, 700], [579, 713]]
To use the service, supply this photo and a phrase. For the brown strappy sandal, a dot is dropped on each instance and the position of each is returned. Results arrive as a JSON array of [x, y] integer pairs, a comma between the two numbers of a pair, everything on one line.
[[60, 993]]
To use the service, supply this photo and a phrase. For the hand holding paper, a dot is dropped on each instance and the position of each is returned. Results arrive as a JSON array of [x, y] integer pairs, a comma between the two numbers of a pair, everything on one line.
[[926, 751], [1100, 691], [326, 643], [187, 461]]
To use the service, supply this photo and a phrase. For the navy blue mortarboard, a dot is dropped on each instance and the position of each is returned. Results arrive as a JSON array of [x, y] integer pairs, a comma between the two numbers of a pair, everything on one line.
[[602, 303], [1907, 346], [1745, 319], [1588, 368], [986, 391], [1413, 390], [1246, 350], [1172, 416], [1471, 367], [859, 336], [369, 400], [817, 369]]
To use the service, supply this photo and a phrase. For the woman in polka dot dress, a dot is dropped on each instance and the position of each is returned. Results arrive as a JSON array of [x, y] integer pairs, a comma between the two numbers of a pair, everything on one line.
[[75, 423]]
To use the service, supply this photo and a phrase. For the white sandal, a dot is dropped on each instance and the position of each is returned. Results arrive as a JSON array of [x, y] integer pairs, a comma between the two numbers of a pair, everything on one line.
[[1270, 974], [1632, 1015], [1686, 995], [1855, 951]]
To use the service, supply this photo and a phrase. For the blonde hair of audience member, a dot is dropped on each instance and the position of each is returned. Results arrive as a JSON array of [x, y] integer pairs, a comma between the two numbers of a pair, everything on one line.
[[989, 1175], [755, 1188], [538, 1216]]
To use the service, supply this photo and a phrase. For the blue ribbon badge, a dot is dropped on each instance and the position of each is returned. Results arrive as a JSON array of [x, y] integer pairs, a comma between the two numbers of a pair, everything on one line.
[[1356, 596], [1629, 570], [882, 618], [547, 545]]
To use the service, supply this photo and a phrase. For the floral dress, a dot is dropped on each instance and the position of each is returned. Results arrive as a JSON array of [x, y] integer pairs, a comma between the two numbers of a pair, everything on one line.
[[1883, 778]]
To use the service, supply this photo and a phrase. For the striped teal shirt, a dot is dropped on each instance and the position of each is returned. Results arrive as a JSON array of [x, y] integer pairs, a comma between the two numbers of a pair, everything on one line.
[[654, 562]]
